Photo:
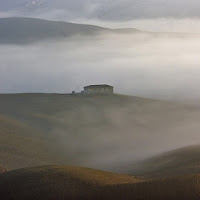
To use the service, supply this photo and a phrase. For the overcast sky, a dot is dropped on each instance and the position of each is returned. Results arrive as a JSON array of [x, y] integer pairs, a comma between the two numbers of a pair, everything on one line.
[[160, 15], [111, 9]]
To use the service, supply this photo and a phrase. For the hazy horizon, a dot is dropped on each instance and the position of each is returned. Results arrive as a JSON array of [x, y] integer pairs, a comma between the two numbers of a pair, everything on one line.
[[138, 65], [160, 67]]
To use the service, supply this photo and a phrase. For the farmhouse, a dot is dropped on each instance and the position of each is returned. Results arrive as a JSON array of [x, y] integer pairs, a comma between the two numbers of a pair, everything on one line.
[[98, 90]]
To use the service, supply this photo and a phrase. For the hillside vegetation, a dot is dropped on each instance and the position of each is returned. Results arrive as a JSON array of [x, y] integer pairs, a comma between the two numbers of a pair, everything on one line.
[[61, 182], [21, 144]]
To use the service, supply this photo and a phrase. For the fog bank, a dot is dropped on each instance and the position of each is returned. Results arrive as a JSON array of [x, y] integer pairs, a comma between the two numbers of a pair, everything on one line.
[[154, 66]]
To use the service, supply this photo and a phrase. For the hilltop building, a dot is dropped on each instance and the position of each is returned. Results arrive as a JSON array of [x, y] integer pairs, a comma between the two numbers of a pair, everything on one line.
[[98, 90]]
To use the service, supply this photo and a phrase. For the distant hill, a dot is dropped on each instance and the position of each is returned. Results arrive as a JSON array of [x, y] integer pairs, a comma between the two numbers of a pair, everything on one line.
[[22, 30], [62, 182], [16, 30], [183, 161]]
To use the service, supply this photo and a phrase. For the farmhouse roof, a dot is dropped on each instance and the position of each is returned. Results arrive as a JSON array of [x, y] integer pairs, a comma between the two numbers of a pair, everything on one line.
[[98, 86]]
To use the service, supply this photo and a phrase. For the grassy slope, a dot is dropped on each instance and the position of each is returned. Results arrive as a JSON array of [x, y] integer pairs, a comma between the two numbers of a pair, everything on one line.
[[34, 127], [60, 182], [183, 161], [21, 144]]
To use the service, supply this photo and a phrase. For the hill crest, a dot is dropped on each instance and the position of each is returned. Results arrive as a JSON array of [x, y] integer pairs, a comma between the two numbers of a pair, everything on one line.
[[21, 30]]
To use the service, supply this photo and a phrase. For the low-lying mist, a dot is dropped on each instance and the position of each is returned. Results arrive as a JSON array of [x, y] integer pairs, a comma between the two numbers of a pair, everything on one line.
[[105, 132], [155, 66], [112, 137]]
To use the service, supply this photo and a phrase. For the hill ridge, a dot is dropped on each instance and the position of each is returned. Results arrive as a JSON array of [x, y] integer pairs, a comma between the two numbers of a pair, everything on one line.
[[65, 182], [23, 30]]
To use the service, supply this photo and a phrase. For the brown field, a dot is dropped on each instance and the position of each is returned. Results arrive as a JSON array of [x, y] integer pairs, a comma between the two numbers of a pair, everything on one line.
[[61, 182]]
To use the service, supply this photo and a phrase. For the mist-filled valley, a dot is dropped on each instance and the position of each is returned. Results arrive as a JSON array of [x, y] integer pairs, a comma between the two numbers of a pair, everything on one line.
[[148, 128], [102, 133], [105, 132]]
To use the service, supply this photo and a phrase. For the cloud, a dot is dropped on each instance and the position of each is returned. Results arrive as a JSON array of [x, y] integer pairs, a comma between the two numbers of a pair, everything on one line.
[[8, 14], [107, 10]]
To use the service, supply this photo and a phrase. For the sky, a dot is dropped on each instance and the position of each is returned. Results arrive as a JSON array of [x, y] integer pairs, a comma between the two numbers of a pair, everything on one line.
[[120, 10], [154, 15]]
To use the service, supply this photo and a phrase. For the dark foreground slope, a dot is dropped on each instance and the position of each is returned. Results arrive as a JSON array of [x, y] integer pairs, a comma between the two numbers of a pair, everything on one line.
[[103, 132], [183, 161], [60, 183]]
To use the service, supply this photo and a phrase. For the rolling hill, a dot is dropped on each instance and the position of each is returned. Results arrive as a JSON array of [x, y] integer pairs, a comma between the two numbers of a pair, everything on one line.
[[58, 182], [21, 144], [62, 182], [19, 30], [183, 161], [104, 132]]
